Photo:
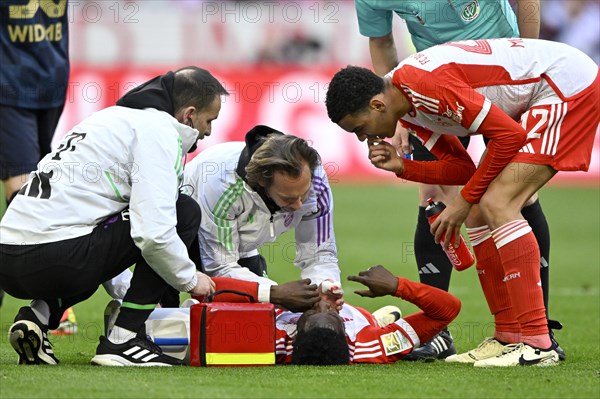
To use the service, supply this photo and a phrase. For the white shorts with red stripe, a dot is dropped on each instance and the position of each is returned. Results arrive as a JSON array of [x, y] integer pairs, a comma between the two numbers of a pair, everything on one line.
[[562, 135]]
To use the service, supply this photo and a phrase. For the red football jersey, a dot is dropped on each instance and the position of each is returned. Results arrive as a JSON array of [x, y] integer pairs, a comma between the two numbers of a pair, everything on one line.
[[367, 342], [485, 87]]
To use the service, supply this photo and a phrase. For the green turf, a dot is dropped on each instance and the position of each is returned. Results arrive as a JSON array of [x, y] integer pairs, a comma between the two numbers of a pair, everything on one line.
[[374, 224]]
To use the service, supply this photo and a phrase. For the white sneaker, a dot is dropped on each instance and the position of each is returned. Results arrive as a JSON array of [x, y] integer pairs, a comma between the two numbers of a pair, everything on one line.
[[387, 315], [521, 355], [490, 347]]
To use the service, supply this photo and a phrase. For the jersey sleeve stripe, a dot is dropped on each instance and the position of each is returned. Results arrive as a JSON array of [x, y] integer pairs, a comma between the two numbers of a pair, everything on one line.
[[114, 186], [425, 99], [487, 104], [368, 355], [370, 343], [410, 331], [419, 104], [431, 141]]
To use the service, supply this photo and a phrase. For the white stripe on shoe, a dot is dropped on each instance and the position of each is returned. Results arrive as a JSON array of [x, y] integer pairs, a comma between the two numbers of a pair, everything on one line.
[[149, 357], [141, 353], [132, 350]]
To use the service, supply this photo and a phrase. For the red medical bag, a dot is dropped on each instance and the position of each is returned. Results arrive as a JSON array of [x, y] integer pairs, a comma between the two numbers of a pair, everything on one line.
[[232, 334]]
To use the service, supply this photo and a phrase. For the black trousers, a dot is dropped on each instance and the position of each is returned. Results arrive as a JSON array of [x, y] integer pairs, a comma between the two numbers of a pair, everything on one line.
[[257, 264], [65, 273]]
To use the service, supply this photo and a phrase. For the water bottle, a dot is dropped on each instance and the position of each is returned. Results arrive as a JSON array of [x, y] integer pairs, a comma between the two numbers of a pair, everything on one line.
[[461, 257]]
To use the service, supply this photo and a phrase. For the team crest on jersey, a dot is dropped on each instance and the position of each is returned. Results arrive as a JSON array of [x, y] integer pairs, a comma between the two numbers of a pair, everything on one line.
[[470, 11], [395, 342]]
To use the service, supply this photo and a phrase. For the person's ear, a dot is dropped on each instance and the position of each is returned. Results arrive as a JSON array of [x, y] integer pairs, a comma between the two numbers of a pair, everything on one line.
[[188, 112], [377, 104], [184, 115]]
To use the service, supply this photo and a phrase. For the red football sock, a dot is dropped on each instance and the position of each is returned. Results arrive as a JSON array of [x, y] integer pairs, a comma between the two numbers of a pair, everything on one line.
[[520, 257], [491, 276]]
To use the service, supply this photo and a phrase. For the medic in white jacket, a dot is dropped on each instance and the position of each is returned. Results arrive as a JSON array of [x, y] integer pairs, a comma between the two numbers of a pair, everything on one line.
[[237, 220], [107, 174]]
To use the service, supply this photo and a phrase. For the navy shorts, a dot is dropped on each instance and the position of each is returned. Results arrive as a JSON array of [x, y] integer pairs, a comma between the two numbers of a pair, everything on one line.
[[25, 138], [420, 153]]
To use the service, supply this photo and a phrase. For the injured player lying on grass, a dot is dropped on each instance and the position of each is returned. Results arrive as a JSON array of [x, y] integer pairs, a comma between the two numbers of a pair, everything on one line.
[[324, 336]]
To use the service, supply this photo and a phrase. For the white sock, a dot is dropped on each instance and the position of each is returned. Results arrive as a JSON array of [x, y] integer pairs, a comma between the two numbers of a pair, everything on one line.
[[119, 335], [41, 310]]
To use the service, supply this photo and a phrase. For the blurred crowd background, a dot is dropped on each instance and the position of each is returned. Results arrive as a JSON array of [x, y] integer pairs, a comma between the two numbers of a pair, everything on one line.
[[228, 33], [275, 57]]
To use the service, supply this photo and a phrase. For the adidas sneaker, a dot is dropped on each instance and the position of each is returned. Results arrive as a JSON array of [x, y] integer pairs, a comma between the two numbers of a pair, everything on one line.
[[29, 337], [521, 355], [137, 351], [440, 347], [490, 347]]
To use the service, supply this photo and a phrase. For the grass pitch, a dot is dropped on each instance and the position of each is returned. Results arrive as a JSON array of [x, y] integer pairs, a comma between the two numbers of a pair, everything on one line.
[[374, 225]]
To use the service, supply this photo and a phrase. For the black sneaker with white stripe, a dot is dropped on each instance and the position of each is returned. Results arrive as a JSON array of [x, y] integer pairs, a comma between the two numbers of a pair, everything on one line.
[[137, 351], [29, 337], [440, 347]]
